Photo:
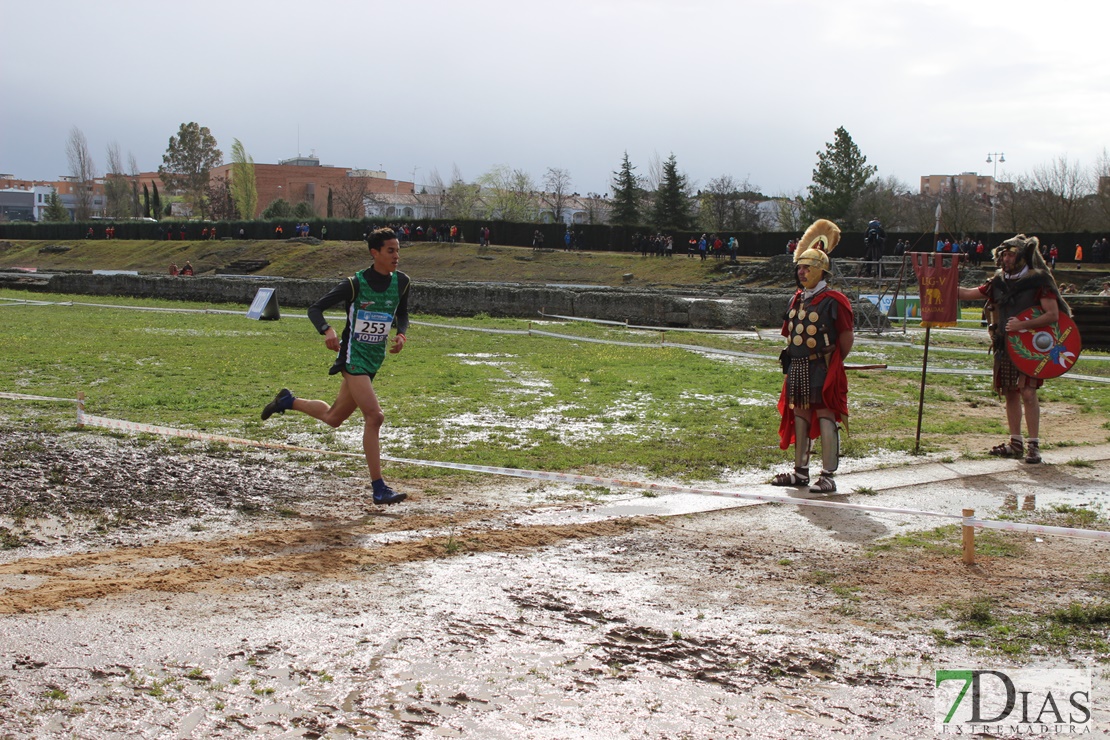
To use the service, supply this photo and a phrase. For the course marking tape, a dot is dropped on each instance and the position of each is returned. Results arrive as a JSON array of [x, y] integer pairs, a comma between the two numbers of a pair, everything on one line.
[[25, 397], [536, 332], [626, 325], [1036, 528], [131, 426]]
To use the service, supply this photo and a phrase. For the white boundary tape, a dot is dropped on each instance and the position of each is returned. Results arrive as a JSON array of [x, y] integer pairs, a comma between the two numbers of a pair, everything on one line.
[[84, 419], [129, 426], [25, 397], [553, 335], [132, 426], [1087, 534]]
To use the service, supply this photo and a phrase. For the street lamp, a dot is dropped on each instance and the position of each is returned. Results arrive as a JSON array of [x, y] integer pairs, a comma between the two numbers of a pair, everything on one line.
[[994, 157]]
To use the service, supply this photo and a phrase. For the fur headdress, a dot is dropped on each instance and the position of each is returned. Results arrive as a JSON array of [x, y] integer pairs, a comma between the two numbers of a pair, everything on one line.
[[1026, 250]]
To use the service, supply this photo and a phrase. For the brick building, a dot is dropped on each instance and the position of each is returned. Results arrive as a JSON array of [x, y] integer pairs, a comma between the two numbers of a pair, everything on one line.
[[965, 182], [305, 180]]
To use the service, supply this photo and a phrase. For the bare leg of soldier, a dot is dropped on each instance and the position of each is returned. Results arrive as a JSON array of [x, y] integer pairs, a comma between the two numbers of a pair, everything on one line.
[[1032, 407]]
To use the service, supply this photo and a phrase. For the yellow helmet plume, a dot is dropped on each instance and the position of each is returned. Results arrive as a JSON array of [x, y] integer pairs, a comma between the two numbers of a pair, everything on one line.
[[813, 249]]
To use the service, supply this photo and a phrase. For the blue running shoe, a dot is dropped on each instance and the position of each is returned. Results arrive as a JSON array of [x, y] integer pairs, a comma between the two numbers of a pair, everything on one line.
[[387, 496], [282, 402]]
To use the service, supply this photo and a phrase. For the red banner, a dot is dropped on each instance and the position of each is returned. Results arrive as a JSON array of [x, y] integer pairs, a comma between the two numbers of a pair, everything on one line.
[[938, 287]]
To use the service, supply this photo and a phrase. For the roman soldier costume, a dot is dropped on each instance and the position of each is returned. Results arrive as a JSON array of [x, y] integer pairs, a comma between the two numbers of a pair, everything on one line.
[[813, 363]]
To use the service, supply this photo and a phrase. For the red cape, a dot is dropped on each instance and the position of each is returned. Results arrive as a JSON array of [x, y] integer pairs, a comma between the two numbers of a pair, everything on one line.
[[834, 394]]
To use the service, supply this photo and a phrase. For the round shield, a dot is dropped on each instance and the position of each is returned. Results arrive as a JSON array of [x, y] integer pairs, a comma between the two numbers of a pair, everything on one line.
[[1048, 351]]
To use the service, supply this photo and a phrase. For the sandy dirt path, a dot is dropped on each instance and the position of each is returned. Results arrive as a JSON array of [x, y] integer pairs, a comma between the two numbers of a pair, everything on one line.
[[177, 592]]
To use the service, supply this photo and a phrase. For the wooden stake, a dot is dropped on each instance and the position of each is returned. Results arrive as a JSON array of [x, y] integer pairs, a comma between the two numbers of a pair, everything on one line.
[[80, 408], [969, 538]]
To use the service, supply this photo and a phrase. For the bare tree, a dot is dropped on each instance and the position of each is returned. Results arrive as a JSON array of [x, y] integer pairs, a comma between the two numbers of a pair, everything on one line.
[[598, 208], [133, 175], [788, 212], [718, 204], [728, 205], [1100, 185], [962, 212], [556, 186], [83, 171], [919, 213], [884, 198], [220, 200], [117, 190], [433, 194], [654, 177], [351, 196], [1056, 196], [1011, 206]]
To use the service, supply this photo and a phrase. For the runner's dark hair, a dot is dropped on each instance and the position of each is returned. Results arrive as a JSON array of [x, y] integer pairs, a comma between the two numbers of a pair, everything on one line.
[[376, 238]]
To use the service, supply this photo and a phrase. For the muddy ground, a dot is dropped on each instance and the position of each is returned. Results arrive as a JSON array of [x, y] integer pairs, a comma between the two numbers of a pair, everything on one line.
[[154, 589]]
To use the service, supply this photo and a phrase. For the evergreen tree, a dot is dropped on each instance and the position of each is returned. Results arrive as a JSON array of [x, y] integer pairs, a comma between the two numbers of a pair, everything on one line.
[[330, 213], [626, 195], [156, 203], [186, 164], [278, 208], [841, 174], [54, 210], [303, 211], [672, 200], [146, 201]]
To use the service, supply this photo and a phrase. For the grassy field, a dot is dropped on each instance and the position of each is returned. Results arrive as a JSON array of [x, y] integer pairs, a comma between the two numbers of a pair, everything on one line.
[[423, 261], [495, 399]]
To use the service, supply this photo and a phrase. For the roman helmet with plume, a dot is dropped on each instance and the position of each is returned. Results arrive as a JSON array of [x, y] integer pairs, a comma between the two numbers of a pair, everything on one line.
[[813, 249]]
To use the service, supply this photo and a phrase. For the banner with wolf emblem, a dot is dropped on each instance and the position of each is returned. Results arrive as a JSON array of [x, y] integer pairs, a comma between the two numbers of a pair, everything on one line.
[[938, 287]]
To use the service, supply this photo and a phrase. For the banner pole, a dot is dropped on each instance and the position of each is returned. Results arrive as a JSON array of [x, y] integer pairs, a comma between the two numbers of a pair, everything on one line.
[[921, 395]]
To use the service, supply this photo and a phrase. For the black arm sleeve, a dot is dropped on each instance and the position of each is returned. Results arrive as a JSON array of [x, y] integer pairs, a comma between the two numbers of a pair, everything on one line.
[[342, 293], [401, 317]]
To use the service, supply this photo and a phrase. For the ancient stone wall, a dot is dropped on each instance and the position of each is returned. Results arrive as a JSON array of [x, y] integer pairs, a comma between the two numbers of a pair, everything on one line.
[[740, 310]]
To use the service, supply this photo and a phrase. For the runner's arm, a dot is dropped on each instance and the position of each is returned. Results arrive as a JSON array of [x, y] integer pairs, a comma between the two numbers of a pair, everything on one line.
[[342, 293]]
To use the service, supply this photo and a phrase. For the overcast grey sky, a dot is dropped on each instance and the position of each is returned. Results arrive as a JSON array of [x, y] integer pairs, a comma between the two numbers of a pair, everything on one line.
[[749, 89]]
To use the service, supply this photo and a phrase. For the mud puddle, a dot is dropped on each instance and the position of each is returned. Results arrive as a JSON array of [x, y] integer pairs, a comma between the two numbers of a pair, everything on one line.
[[154, 591]]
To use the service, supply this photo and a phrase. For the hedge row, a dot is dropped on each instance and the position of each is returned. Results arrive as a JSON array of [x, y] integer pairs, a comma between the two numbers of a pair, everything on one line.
[[586, 236]]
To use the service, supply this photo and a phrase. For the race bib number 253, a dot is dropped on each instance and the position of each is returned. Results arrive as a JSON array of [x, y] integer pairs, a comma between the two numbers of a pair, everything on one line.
[[371, 327]]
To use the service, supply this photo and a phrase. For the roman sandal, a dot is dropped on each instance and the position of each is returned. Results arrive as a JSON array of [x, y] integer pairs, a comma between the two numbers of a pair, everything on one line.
[[1013, 448], [823, 484], [800, 477], [1033, 453]]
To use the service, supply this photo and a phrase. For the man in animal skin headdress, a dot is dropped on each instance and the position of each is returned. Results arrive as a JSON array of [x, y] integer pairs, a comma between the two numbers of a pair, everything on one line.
[[1022, 281], [818, 330]]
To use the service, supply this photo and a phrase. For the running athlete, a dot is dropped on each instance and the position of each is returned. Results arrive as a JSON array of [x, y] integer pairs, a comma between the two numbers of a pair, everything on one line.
[[376, 300]]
